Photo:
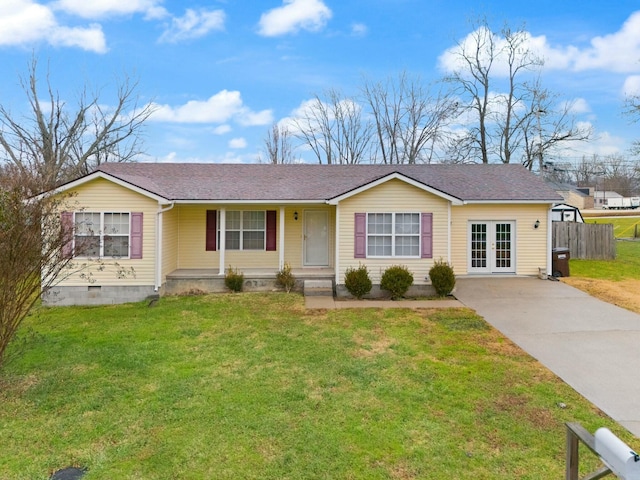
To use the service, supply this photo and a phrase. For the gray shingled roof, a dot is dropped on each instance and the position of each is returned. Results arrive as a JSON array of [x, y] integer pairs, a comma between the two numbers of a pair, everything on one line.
[[260, 182]]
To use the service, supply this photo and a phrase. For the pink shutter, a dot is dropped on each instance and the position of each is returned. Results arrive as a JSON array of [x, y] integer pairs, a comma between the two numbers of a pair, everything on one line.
[[66, 220], [427, 235], [212, 231], [360, 241], [271, 230], [136, 236]]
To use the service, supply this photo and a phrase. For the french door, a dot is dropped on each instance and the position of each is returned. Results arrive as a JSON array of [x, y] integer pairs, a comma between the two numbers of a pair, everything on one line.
[[492, 247]]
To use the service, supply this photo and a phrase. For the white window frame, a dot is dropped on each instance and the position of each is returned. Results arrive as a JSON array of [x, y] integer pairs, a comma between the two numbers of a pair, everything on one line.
[[100, 234], [242, 230], [394, 235]]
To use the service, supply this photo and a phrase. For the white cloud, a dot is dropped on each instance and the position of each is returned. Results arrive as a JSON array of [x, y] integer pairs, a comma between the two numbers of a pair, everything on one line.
[[576, 106], [631, 86], [249, 118], [95, 9], [23, 22], [293, 16], [238, 143], [222, 129], [359, 30], [194, 24], [220, 108]]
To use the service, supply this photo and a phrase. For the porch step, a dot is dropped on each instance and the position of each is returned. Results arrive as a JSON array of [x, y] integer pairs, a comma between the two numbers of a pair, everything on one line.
[[318, 288]]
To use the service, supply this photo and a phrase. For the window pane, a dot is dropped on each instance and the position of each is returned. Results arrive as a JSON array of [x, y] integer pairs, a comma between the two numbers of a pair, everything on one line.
[[253, 241], [232, 240], [408, 223], [408, 246], [87, 246], [253, 220], [116, 223], [379, 246], [87, 223], [116, 246], [380, 223], [233, 220]]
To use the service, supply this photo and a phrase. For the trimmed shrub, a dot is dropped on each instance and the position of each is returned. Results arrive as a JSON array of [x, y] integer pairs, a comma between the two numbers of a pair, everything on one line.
[[396, 280], [233, 280], [285, 279], [357, 281], [442, 278]]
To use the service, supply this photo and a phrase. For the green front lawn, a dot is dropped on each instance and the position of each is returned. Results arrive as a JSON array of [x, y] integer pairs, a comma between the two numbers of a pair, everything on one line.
[[252, 386], [625, 266]]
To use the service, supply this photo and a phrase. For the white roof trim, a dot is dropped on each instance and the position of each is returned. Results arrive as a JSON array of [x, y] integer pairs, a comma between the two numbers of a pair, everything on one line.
[[250, 202], [395, 176], [110, 178], [503, 202]]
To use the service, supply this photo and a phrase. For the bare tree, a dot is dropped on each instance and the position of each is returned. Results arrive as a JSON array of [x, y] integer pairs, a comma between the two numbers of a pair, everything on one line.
[[409, 121], [278, 145], [514, 118], [548, 124], [334, 128], [497, 131], [632, 109], [36, 248], [58, 144]]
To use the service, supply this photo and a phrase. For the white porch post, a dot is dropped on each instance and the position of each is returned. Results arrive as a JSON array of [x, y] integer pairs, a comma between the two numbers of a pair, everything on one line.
[[223, 229], [281, 247], [448, 233]]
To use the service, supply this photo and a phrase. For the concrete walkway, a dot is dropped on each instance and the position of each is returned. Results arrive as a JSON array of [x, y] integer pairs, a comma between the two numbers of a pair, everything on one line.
[[592, 345]]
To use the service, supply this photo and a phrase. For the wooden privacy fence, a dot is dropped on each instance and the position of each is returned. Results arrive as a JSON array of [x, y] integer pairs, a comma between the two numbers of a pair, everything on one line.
[[593, 241]]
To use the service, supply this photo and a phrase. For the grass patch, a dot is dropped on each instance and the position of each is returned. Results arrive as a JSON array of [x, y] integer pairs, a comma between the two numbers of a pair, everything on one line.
[[625, 266], [253, 386], [623, 226]]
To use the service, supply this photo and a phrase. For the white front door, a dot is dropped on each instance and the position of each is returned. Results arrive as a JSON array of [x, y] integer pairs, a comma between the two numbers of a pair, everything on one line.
[[492, 247], [316, 238]]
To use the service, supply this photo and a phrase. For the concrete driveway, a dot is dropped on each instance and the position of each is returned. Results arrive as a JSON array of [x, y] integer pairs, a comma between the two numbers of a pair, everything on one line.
[[592, 345]]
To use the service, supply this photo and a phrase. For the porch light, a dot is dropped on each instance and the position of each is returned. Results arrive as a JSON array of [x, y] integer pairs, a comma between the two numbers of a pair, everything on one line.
[[295, 215], [537, 224]]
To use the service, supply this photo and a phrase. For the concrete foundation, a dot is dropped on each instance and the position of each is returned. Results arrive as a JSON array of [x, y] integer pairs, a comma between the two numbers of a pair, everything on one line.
[[97, 295], [415, 291]]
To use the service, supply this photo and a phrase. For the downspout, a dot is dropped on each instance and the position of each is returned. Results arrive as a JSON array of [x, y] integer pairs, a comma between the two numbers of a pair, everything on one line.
[[159, 231], [336, 261], [549, 240]]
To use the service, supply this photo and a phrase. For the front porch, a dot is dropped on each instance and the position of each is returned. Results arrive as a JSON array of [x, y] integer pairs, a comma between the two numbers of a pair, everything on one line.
[[192, 280]]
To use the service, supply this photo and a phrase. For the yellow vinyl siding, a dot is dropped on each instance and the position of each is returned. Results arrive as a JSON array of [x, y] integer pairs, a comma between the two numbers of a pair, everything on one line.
[[192, 223], [103, 196], [394, 196], [192, 236], [531, 243]]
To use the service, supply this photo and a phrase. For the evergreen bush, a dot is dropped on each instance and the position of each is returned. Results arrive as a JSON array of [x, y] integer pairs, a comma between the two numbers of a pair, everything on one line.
[[442, 278], [234, 280], [285, 279], [357, 281], [396, 280]]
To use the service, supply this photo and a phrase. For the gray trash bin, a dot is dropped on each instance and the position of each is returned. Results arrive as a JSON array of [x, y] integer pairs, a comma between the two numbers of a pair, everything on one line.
[[560, 262]]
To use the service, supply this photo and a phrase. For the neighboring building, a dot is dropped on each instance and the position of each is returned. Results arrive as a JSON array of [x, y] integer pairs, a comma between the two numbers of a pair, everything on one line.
[[600, 197], [180, 226], [572, 195], [566, 213]]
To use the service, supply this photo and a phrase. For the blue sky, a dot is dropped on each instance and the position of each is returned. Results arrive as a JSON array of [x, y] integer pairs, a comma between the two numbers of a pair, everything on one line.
[[222, 72]]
